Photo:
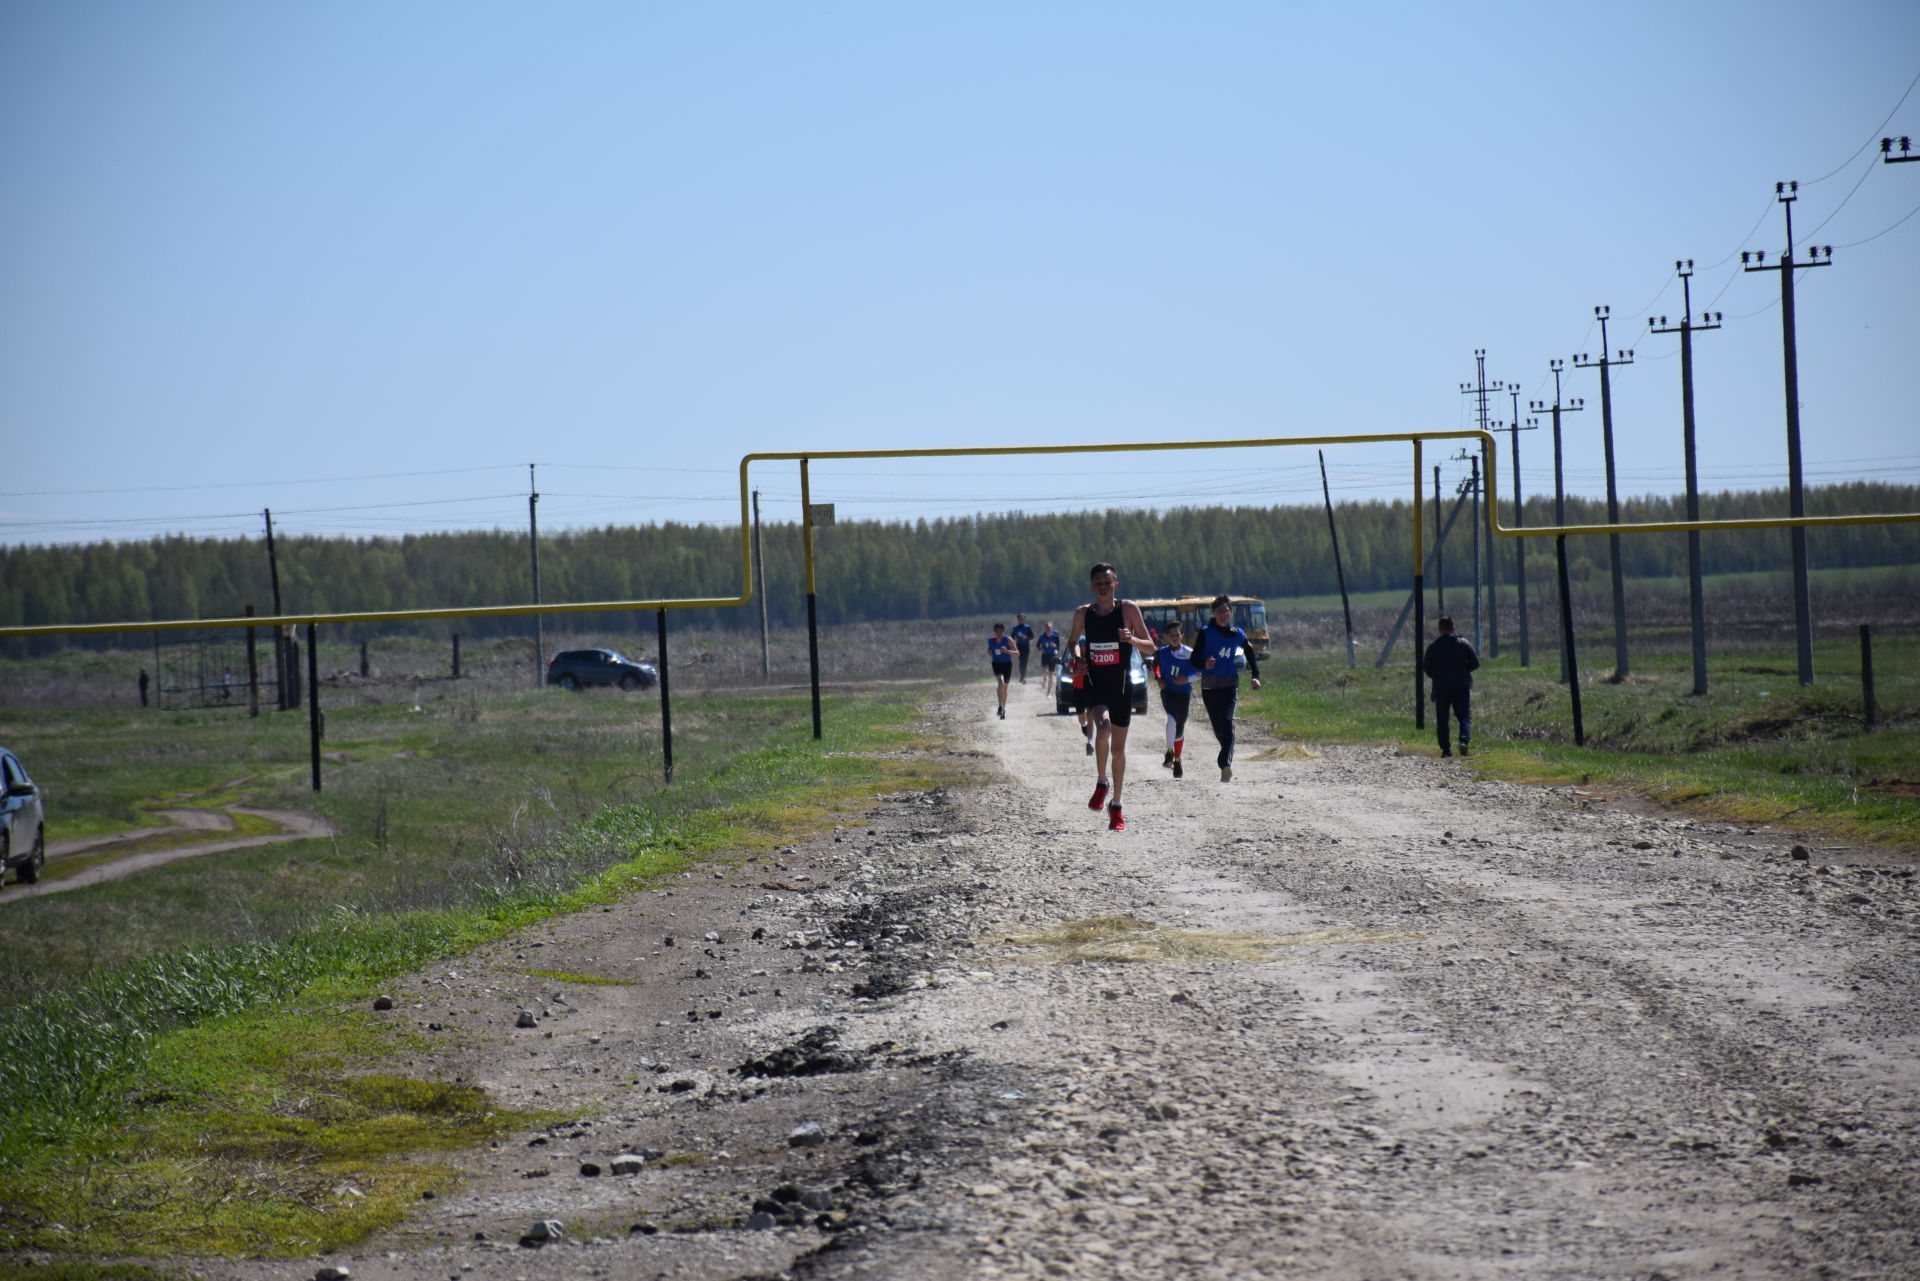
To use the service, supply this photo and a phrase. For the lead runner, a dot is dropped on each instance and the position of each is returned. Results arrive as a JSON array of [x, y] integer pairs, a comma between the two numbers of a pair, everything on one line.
[[1108, 625]]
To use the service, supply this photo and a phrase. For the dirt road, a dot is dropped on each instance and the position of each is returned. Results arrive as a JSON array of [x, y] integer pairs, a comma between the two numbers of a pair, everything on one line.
[[129, 858], [1353, 1015]]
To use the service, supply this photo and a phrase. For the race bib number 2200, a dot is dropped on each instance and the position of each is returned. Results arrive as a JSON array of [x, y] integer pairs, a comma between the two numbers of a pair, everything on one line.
[[1103, 653]]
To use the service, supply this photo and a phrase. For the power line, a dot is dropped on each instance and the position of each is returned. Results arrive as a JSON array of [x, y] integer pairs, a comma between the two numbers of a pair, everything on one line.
[[1872, 138], [1871, 167], [1876, 235], [246, 484]]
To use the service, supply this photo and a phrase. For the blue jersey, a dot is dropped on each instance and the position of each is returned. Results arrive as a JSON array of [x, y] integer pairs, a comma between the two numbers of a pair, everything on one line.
[[1176, 666], [1000, 648], [1022, 632], [1049, 642], [1223, 648]]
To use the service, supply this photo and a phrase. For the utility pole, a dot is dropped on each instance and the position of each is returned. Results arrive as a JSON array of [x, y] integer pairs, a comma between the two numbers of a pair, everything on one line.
[[1886, 151], [1558, 408], [1604, 364], [1514, 428], [1696, 594], [760, 585], [533, 542], [1439, 550], [1470, 486], [280, 682], [1479, 389], [1786, 193]]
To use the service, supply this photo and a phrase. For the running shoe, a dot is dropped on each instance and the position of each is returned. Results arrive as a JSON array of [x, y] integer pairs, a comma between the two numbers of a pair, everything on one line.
[[1003, 713], [1176, 767], [1116, 821], [1099, 797], [1465, 750], [1089, 747], [1166, 762], [1226, 773]]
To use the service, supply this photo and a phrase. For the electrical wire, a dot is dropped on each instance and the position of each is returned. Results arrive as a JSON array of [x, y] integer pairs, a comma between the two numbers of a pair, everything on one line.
[[1735, 251], [1871, 166], [249, 484], [1876, 235], [1874, 137]]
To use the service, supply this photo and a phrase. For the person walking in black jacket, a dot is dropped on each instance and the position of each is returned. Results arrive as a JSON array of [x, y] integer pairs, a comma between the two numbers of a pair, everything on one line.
[[1450, 662]]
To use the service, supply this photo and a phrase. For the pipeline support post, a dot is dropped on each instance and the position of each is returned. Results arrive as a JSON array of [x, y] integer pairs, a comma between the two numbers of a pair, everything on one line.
[[1566, 637], [666, 699], [1869, 711], [313, 699], [813, 622], [1419, 602], [253, 672]]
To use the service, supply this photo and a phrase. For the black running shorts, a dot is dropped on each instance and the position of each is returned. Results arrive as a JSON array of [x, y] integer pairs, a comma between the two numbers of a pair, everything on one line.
[[1116, 698]]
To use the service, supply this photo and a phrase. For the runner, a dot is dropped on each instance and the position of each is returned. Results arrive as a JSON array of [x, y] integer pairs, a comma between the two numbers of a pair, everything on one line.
[[1174, 663], [1049, 643], [1023, 637], [1000, 653], [1107, 625], [1219, 651]]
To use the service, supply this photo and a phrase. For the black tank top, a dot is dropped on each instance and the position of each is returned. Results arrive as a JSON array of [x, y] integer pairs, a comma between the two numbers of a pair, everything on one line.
[[1106, 655]]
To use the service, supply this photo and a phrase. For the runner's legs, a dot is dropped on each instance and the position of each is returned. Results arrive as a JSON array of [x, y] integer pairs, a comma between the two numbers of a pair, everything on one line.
[[1220, 705]]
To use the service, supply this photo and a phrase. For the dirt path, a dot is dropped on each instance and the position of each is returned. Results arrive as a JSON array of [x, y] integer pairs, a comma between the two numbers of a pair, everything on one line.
[[294, 825], [1422, 1026]]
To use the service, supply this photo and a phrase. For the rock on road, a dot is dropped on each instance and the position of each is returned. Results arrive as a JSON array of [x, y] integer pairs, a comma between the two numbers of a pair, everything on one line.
[[1418, 1025]]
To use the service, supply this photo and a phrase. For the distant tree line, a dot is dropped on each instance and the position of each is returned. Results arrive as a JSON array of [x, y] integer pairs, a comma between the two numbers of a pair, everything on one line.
[[874, 570]]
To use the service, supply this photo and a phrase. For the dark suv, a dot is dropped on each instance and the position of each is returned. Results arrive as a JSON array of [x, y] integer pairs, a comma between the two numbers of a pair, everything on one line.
[[575, 668]]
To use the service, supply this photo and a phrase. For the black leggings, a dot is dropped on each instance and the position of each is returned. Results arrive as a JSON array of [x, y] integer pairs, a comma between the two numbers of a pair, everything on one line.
[[1220, 704], [1177, 702]]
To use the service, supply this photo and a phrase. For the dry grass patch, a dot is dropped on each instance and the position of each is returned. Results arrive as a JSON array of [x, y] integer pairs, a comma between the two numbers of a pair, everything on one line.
[[1126, 938]]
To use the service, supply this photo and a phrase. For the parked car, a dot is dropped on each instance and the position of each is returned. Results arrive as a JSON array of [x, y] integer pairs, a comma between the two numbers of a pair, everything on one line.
[[1137, 683], [576, 668], [23, 822]]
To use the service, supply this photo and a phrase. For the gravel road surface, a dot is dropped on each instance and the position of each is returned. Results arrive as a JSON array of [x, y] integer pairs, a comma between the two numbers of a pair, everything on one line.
[[1355, 1014]]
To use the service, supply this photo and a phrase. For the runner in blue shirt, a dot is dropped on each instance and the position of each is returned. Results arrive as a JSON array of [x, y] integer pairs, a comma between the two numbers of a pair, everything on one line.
[[1219, 651], [1049, 642], [1173, 662], [1000, 653], [1022, 634]]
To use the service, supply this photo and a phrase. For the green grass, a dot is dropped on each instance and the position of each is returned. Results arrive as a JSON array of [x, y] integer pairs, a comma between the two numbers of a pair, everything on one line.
[[1757, 747], [161, 1024]]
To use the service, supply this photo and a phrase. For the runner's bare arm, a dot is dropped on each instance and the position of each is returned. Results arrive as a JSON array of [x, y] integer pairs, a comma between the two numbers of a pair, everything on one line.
[[1136, 628], [1072, 647]]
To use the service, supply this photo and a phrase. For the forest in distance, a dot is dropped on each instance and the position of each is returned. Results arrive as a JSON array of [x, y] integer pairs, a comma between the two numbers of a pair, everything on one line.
[[868, 571]]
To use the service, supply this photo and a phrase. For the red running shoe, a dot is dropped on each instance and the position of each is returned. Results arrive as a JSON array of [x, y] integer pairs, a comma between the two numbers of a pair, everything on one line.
[[1099, 797], [1116, 822]]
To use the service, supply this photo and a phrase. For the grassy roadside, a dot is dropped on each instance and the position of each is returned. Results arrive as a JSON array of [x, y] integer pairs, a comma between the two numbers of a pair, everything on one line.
[[1757, 748], [213, 1098]]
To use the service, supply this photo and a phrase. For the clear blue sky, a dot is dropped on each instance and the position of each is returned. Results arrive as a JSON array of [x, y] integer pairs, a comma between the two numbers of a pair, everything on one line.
[[362, 262]]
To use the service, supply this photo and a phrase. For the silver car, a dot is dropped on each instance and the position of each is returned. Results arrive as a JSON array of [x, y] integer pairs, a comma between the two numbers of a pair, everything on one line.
[[23, 822]]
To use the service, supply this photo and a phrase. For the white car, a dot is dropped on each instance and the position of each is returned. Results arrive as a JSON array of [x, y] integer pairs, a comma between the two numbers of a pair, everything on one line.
[[23, 822]]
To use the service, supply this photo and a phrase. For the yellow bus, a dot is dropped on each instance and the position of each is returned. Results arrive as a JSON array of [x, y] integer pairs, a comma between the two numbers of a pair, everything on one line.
[[1195, 612]]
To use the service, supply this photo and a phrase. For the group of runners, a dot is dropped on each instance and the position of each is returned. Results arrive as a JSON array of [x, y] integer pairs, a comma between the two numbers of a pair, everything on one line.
[[1093, 656]]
